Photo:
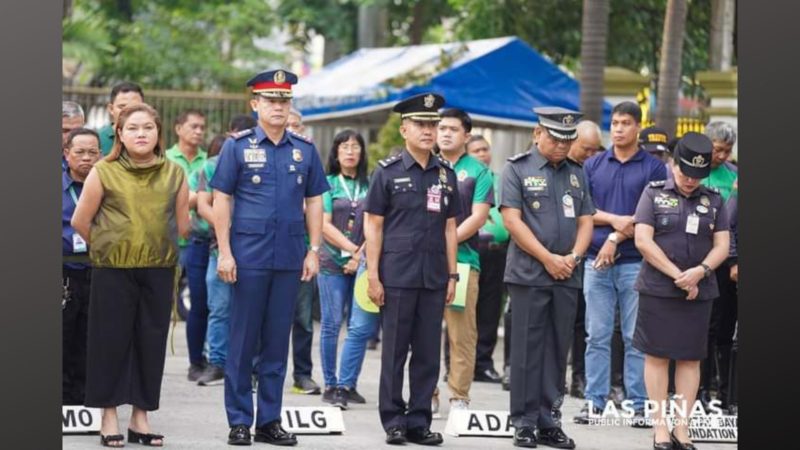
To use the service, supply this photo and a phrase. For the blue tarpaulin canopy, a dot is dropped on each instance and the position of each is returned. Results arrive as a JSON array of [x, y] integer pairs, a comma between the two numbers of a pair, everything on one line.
[[496, 80]]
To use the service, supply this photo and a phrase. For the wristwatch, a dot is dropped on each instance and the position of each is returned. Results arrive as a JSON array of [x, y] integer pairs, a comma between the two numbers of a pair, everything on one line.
[[613, 237], [576, 257], [314, 248], [454, 276], [706, 270]]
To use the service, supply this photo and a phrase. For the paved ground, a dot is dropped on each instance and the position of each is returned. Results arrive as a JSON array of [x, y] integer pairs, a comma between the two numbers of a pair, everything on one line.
[[193, 417]]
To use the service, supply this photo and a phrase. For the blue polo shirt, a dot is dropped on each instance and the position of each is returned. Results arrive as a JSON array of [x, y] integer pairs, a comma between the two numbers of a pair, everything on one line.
[[616, 188], [70, 191]]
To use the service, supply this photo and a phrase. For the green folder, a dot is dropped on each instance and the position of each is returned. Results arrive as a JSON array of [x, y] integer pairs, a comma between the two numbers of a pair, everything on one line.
[[460, 300]]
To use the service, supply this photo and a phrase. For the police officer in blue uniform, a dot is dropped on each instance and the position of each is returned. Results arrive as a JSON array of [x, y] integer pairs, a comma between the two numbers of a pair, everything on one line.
[[264, 176], [547, 209], [411, 261]]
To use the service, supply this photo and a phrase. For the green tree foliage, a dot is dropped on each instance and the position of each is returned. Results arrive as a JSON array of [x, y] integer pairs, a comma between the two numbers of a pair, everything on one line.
[[389, 139], [176, 44], [333, 19], [553, 28]]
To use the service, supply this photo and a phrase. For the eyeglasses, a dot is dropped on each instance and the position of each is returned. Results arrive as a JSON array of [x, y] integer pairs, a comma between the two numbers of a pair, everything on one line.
[[353, 148]]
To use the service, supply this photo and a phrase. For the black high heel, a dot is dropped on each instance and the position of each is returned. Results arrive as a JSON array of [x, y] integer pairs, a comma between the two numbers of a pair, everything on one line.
[[106, 440], [145, 438], [678, 445], [661, 445]]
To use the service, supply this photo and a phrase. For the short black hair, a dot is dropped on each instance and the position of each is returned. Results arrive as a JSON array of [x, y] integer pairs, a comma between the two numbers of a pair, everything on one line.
[[460, 114], [78, 132], [124, 87], [333, 156], [184, 116], [241, 122], [216, 145], [629, 108], [475, 138]]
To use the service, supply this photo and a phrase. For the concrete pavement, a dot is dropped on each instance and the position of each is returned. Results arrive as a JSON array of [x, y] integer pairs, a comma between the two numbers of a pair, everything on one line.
[[193, 417]]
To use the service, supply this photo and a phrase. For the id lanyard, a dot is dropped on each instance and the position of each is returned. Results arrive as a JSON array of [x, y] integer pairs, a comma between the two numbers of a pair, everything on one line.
[[73, 194], [353, 203]]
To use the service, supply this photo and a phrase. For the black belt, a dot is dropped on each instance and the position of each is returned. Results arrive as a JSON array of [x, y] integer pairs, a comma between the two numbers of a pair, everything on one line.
[[83, 274], [75, 259], [493, 246]]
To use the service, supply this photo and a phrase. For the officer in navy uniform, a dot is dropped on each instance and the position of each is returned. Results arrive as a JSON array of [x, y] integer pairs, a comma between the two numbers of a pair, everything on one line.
[[547, 208], [682, 233], [411, 261], [263, 177]]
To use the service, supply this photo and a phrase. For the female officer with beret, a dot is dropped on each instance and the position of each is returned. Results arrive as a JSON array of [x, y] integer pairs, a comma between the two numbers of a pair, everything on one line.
[[682, 233]]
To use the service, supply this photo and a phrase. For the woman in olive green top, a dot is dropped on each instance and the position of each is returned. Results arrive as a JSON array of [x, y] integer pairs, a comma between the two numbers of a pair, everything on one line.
[[133, 207]]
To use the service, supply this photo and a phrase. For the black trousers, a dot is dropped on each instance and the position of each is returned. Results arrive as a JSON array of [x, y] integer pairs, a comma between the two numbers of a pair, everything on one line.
[[579, 340], [489, 308], [724, 314], [128, 326], [543, 320], [410, 317], [74, 325]]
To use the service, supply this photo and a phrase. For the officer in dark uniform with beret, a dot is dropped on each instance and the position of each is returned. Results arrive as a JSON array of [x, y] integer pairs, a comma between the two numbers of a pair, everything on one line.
[[411, 261], [547, 208], [263, 177], [682, 233]]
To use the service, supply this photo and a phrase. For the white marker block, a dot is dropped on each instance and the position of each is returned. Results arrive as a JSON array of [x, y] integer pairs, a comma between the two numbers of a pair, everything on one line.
[[479, 423], [312, 420], [80, 419], [714, 429]]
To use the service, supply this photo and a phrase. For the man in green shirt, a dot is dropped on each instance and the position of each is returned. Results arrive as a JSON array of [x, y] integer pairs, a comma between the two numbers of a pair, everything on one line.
[[122, 95], [477, 197], [723, 173], [724, 312], [190, 127], [492, 248]]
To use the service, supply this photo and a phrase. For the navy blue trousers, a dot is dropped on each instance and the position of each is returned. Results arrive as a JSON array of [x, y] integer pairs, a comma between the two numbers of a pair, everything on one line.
[[262, 309], [410, 317], [196, 265]]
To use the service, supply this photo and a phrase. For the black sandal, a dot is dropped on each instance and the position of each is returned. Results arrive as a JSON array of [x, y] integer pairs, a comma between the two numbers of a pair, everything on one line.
[[145, 438], [107, 440]]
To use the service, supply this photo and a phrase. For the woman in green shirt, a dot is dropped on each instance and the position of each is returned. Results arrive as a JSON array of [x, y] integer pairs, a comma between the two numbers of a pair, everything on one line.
[[133, 207], [340, 258]]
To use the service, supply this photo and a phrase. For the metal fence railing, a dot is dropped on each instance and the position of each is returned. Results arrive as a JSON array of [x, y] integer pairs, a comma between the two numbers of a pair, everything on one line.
[[218, 108]]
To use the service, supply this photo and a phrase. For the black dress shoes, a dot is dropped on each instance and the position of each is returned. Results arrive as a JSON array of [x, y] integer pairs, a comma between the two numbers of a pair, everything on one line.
[[395, 436], [488, 376], [555, 437], [424, 436], [273, 433], [585, 417], [239, 435], [525, 437], [578, 387]]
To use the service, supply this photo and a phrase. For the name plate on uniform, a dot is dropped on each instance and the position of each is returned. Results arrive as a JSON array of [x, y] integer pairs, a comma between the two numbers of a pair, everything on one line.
[[312, 420], [80, 419], [479, 423], [714, 428]]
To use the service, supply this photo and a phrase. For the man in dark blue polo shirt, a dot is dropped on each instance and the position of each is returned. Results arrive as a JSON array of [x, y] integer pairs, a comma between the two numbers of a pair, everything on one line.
[[616, 179], [81, 152]]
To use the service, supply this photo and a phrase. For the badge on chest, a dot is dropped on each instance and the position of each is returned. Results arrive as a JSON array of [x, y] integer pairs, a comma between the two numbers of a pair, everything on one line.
[[255, 155], [568, 205], [435, 198]]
